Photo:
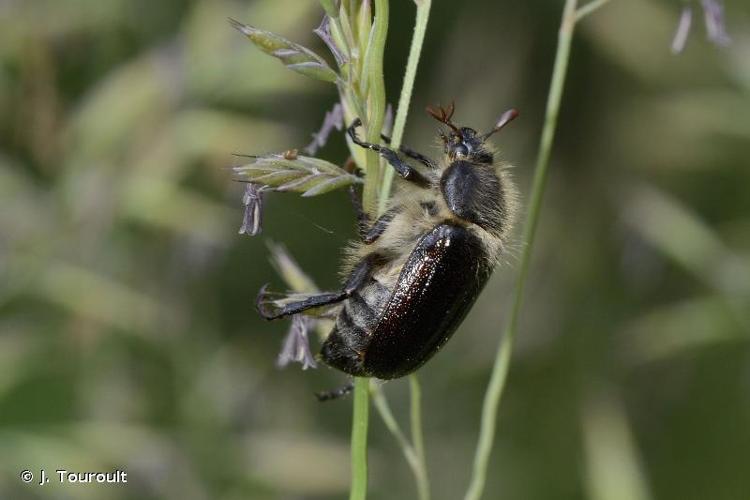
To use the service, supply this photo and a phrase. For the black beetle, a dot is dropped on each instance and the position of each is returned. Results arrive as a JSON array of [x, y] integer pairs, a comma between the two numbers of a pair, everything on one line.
[[421, 265]]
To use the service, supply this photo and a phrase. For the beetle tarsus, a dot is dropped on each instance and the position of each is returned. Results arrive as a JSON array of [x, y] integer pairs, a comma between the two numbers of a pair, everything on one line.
[[352, 131], [337, 393], [261, 306], [405, 170]]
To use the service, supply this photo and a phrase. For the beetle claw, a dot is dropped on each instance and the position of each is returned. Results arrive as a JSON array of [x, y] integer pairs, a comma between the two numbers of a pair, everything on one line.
[[352, 129], [262, 306]]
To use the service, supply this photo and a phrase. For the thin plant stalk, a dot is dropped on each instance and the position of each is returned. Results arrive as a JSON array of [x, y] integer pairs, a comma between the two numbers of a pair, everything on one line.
[[360, 417], [375, 104], [590, 7], [375, 113], [502, 359], [414, 454], [411, 454], [420, 29], [417, 437]]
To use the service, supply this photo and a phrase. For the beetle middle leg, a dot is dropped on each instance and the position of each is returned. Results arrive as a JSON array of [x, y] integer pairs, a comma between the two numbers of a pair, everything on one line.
[[357, 277], [363, 220], [368, 232], [379, 227], [406, 171]]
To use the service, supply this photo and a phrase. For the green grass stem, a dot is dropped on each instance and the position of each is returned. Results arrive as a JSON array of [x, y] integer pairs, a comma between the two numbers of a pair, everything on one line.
[[375, 116], [420, 29], [414, 457], [502, 359], [375, 103], [360, 418]]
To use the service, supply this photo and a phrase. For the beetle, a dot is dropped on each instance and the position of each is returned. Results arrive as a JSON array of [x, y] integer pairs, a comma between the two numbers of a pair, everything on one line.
[[418, 269]]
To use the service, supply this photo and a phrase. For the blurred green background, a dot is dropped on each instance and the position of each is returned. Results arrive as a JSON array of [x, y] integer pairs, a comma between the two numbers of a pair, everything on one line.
[[128, 338]]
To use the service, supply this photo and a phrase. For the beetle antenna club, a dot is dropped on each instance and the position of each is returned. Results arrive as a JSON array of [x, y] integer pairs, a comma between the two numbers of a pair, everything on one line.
[[444, 115], [505, 119]]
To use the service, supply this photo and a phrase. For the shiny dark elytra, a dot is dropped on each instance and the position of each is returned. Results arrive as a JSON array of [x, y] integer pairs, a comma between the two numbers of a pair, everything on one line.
[[388, 327], [435, 290]]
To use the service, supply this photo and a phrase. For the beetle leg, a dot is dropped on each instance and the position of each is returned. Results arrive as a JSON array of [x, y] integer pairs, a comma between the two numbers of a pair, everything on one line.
[[335, 393], [358, 276], [410, 153], [363, 220], [406, 171], [427, 162], [369, 233], [270, 313], [379, 227]]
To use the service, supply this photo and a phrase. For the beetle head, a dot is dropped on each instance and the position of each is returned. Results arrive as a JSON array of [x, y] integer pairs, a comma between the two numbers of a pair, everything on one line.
[[464, 143]]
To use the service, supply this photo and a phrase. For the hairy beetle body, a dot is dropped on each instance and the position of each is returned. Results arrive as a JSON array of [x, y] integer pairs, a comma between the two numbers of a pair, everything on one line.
[[419, 268]]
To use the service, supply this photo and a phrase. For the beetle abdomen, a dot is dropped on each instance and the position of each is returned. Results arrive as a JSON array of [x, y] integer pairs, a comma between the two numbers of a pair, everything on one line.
[[436, 288], [344, 347]]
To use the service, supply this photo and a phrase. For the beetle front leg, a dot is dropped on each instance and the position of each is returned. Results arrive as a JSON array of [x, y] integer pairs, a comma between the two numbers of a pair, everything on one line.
[[358, 276], [410, 153], [406, 171]]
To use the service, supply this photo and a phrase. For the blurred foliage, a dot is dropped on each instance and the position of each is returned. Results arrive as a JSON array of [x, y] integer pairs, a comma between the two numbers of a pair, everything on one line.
[[128, 337]]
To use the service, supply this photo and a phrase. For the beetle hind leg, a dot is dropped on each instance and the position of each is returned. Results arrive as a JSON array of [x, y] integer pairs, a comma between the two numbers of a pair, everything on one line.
[[336, 393], [270, 309], [369, 231], [274, 309]]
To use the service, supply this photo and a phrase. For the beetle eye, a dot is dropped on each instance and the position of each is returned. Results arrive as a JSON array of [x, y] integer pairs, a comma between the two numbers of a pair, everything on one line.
[[461, 150]]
